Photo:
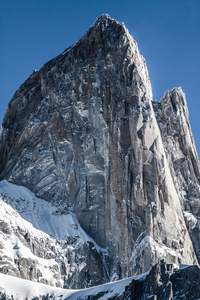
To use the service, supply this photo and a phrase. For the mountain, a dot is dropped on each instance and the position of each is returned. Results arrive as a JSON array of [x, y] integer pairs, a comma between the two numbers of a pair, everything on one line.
[[98, 181]]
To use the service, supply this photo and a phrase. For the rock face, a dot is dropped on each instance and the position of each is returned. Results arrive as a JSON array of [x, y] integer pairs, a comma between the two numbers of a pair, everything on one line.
[[85, 134], [165, 283], [172, 116]]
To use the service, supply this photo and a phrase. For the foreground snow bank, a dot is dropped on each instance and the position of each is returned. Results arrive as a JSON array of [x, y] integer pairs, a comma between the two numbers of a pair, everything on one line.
[[21, 289]]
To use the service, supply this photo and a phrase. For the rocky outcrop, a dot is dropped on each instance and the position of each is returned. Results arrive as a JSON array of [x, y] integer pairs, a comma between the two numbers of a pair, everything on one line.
[[84, 134], [165, 283]]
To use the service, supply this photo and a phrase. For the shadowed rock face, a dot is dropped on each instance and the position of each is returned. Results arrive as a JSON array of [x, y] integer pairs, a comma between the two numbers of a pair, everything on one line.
[[164, 283], [82, 133]]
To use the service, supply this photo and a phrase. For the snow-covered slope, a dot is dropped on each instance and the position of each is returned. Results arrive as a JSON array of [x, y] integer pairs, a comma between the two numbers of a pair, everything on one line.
[[42, 214], [163, 282], [23, 289], [36, 243]]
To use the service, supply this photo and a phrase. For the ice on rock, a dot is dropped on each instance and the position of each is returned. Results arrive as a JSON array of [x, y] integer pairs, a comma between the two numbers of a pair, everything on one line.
[[95, 163]]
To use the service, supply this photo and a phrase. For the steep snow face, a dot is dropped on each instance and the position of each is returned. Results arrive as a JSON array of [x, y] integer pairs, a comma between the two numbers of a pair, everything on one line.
[[52, 249], [82, 134], [42, 214]]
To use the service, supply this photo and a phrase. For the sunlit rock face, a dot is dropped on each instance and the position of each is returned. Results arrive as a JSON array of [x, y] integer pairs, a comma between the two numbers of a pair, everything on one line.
[[173, 119], [85, 134]]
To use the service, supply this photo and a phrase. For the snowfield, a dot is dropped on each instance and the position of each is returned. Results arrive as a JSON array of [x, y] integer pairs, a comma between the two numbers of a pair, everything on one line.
[[36, 243], [41, 214], [22, 289]]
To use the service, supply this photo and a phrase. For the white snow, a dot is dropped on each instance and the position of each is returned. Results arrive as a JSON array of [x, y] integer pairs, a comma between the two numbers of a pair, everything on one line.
[[190, 219], [38, 218], [13, 245], [42, 214], [25, 214], [22, 289]]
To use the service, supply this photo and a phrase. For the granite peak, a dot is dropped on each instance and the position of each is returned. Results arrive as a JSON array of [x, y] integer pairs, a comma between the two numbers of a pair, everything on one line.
[[84, 134]]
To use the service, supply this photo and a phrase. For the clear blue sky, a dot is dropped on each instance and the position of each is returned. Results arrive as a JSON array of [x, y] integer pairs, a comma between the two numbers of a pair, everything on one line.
[[167, 32]]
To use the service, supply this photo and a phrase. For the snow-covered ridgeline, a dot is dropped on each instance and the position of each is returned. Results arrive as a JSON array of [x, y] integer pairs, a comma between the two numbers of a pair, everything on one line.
[[38, 244], [22, 289]]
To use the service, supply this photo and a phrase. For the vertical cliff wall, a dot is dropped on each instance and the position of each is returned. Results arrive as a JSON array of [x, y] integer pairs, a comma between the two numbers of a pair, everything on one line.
[[82, 133], [173, 119]]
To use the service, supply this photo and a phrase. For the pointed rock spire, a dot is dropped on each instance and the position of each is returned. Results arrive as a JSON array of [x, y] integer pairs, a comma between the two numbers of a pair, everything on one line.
[[82, 133]]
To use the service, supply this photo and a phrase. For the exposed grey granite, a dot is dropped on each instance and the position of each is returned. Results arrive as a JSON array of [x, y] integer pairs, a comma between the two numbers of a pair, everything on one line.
[[83, 134]]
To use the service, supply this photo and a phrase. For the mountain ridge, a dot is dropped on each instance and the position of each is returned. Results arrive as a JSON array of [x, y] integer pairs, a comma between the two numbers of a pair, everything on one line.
[[84, 134]]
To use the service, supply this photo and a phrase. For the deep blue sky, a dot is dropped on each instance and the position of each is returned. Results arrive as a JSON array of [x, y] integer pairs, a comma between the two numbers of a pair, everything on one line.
[[167, 32]]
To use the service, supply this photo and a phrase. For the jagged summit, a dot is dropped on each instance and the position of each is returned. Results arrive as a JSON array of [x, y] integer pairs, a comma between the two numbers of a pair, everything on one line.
[[105, 31], [106, 25], [104, 17], [105, 35], [84, 134], [104, 44], [105, 21]]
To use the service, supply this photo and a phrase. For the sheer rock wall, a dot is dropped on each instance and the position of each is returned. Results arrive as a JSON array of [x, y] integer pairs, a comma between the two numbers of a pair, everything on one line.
[[82, 133]]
